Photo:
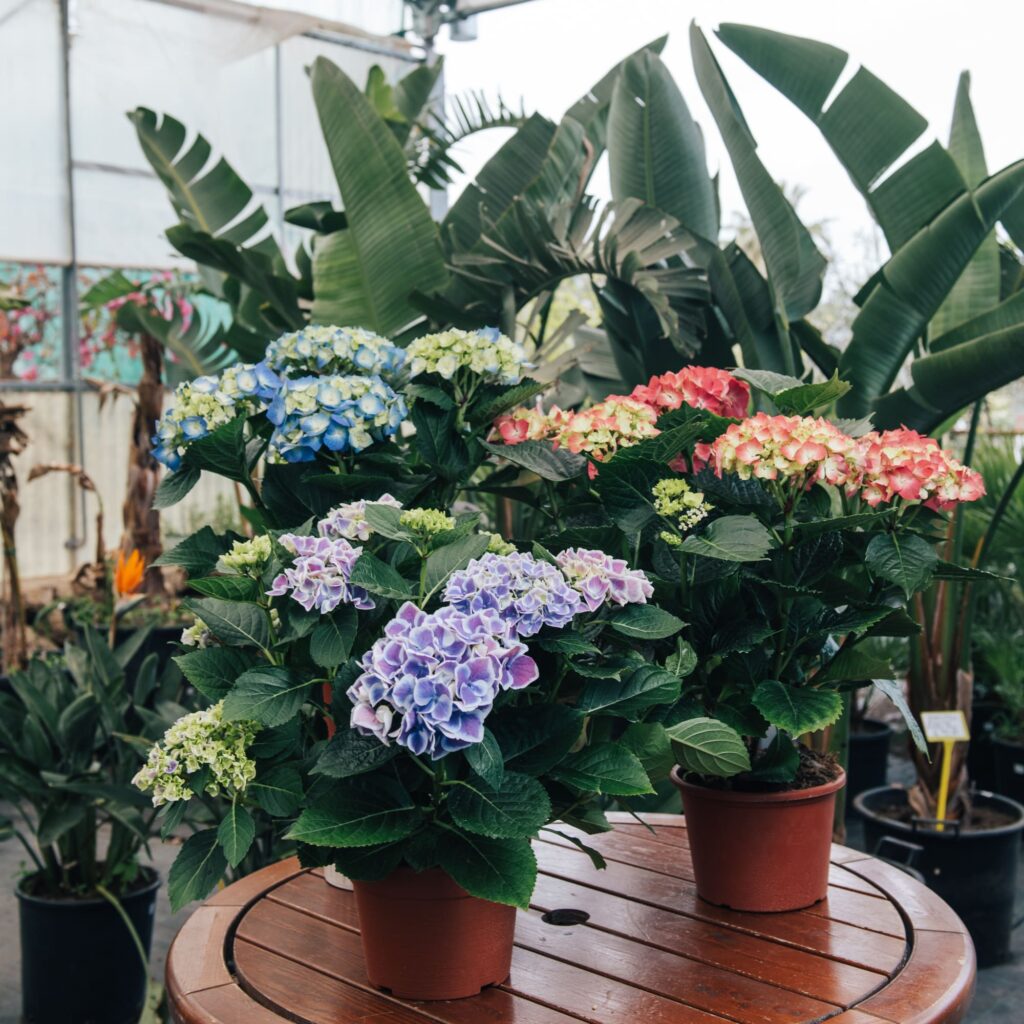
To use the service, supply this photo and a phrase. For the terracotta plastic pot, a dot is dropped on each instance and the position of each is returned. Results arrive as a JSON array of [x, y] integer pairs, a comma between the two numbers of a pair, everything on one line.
[[424, 937], [760, 851]]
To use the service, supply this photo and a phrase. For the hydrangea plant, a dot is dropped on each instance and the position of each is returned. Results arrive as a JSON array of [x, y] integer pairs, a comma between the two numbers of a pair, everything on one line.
[[389, 679], [785, 540]]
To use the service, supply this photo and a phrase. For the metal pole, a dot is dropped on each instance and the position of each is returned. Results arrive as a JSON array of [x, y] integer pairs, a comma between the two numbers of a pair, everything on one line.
[[69, 304], [279, 138]]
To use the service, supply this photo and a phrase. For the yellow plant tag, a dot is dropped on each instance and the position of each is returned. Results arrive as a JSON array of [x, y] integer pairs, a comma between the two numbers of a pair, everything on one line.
[[947, 728]]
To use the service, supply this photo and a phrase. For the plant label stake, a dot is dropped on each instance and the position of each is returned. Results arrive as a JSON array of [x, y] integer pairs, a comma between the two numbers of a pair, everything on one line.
[[947, 728]]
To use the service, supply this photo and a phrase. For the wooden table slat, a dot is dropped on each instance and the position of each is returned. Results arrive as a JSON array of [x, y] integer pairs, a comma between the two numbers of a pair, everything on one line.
[[283, 945]]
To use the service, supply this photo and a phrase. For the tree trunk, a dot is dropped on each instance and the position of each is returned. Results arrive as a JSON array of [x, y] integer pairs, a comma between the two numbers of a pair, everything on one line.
[[141, 520], [12, 621]]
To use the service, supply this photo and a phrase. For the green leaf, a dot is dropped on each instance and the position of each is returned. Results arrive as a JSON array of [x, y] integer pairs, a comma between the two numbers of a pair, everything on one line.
[[452, 557], [231, 622], [534, 737], [644, 688], [213, 670], [277, 790], [376, 811], [731, 539], [797, 709], [227, 588], [369, 863], [331, 639], [908, 561], [542, 458], [174, 486], [655, 148], [625, 488], [779, 763], [810, 398], [198, 553], [349, 753], [855, 663], [708, 747], [366, 273], [386, 520], [267, 694], [607, 768], [58, 819], [486, 759], [650, 743], [515, 809], [378, 577], [199, 866], [236, 833], [682, 663], [567, 643], [893, 689], [499, 870], [645, 622]]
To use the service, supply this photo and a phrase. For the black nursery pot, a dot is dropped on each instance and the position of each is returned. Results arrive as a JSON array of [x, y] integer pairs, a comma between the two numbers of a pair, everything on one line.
[[79, 964], [868, 758], [975, 872], [1009, 768], [981, 758]]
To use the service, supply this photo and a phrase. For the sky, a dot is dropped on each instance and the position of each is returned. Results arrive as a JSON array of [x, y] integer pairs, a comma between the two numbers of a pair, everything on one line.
[[549, 52]]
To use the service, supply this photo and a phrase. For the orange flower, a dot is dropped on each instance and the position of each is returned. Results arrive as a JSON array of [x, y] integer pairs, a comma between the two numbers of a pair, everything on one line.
[[129, 572]]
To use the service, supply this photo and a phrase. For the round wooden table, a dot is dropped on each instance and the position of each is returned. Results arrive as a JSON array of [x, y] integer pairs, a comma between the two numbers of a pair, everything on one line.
[[282, 945]]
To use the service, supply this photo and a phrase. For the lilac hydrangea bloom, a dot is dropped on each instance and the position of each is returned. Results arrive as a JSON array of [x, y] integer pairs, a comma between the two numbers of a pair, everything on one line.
[[526, 593], [319, 576], [431, 680], [599, 578], [349, 520]]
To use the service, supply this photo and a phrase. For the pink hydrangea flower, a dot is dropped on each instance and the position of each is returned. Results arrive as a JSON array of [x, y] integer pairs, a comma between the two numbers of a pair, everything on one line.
[[701, 387], [773, 447], [602, 579], [600, 431], [905, 464], [530, 424]]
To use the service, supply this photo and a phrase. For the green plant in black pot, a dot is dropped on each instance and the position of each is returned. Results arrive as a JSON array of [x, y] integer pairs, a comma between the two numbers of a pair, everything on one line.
[[69, 733]]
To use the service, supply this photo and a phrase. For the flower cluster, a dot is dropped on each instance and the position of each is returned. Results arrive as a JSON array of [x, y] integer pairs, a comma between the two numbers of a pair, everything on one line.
[[334, 350], [246, 557], [319, 575], [531, 424], [349, 520], [904, 464], [427, 522], [603, 429], [767, 447], [601, 579], [339, 413], [441, 672], [486, 352], [677, 501], [525, 593], [701, 387], [197, 635], [200, 740]]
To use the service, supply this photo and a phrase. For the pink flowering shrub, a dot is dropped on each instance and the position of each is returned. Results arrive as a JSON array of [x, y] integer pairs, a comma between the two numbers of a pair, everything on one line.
[[700, 387]]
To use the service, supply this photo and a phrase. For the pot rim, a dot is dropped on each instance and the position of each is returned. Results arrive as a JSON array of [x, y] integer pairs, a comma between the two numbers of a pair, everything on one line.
[[89, 901], [785, 796], [876, 727], [999, 741], [953, 835]]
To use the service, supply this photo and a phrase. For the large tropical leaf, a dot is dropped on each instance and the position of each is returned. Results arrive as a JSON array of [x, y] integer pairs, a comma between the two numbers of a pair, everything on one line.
[[912, 285], [795, 266], [366, 273], [867, 124], [655, 148], [977, 289]]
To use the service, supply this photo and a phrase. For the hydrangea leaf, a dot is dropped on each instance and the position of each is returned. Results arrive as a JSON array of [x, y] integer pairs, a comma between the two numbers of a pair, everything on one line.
[[376, 811], [267, 694], [348, 753], [731, 539], [642, 689], [607, 768], [486, 759], [646, 622], [213, 670], [908, 561], [232, 622], [709, 747], [199, 866], [331, 639], [236, 833], [278, 790], [797, 709], [516, 809], [499, 870]]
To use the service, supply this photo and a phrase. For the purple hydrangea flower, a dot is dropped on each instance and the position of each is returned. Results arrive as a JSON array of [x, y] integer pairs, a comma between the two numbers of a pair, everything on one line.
[[601, 578], [349, 520], [319, 576], [526, 593], [431, 680]]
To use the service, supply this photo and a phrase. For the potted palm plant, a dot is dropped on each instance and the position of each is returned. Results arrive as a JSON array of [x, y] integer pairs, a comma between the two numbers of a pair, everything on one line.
[[68, 733], [786, 543], [410, 695]]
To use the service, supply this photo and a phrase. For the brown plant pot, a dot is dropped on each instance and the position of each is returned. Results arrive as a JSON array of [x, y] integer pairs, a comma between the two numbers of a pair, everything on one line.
[[425, 937], [760, 851]]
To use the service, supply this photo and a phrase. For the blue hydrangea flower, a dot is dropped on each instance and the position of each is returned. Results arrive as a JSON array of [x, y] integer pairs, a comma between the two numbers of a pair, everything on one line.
[[486, 352], [431, 680], [339, 413], [349, 519], [206, 403], [528, 594], [333, 350], [319, 575]]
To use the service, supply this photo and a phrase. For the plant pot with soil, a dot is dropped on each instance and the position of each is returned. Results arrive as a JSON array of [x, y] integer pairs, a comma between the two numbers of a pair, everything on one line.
[[971, 863], [68, 733], [411, 697], [867, 764]]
